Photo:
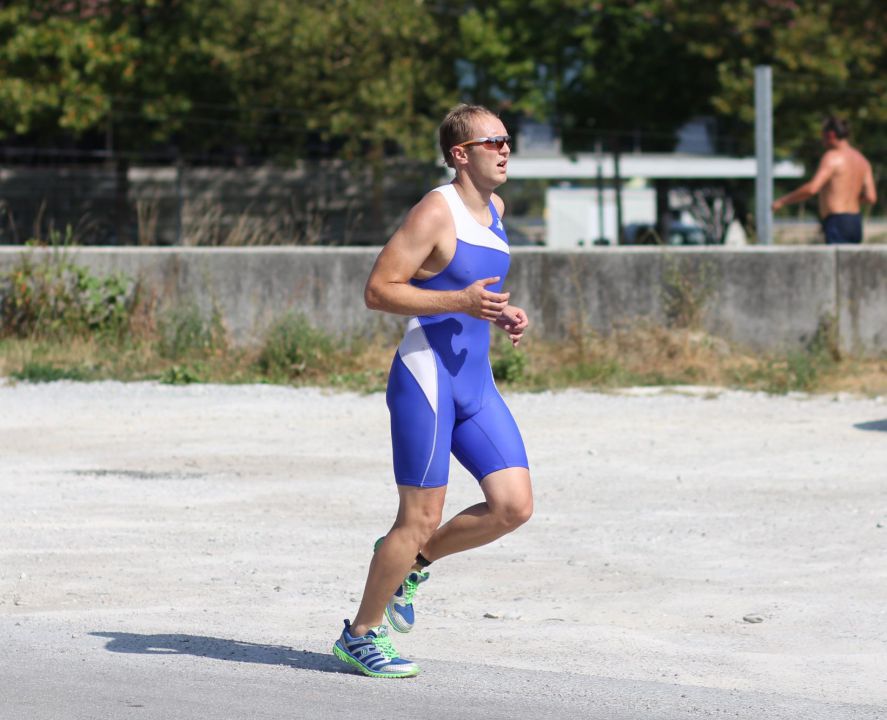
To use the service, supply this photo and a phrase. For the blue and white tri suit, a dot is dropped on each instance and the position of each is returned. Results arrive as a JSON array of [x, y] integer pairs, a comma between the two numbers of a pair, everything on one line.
[[441, 393]]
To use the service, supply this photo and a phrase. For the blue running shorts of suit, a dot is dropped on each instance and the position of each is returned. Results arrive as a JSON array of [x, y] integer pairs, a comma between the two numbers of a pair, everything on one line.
[[441, 393]]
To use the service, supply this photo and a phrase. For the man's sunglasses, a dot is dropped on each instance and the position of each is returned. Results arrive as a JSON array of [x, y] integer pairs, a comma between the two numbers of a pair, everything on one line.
[[496, 142]]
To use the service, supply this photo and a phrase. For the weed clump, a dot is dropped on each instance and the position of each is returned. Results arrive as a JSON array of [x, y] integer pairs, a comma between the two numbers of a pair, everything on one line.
[[686, 291], [37, 372], [295, 349], [184, 331], [802, 370], [508, 363], [181, 375], [54, 298]]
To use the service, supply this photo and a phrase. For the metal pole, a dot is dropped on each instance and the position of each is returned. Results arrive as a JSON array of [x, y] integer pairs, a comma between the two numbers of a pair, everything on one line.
[[764, 153], [617, 182], [663, 210], [180, 197], [600, 190]]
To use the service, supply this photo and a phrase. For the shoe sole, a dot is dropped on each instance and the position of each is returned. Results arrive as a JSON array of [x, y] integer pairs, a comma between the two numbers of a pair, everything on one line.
[[343, 655]]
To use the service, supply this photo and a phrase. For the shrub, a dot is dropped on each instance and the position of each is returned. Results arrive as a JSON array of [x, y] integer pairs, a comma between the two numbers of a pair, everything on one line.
[[181, 375], [294, 348], [508, 363], [36, 372], [184, 331], [55, 298]]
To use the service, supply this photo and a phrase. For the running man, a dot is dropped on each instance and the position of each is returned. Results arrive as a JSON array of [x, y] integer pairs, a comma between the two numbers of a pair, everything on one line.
[[843, 182], [444, 269]]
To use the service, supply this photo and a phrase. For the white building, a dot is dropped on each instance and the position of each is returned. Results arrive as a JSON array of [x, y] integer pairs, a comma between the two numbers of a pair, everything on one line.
[[573, 217]]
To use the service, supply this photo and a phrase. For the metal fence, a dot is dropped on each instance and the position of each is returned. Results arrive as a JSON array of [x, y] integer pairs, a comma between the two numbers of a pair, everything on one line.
[[325, 202]]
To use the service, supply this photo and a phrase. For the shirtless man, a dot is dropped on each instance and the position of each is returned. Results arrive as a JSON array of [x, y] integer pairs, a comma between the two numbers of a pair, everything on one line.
[[843, 182], [444, 269]]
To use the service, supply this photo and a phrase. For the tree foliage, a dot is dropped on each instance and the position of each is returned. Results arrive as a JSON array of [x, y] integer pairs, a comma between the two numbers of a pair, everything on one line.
[[352, 73], [596, 68], [262, 73], [827, 58], [359, 77], [134, 72]]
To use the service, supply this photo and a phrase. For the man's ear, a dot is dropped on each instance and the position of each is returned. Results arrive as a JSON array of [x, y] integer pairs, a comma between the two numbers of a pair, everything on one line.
[[459, 155]]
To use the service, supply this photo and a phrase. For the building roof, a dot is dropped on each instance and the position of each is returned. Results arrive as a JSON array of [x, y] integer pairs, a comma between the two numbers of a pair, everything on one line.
[[643, 165]]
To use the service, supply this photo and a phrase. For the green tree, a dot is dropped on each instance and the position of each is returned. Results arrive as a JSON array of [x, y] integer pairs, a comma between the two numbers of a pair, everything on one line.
[[132, 73], [653, 64], [357, 73], [136, 72], [597, 68], [827, 57], [363, 77]]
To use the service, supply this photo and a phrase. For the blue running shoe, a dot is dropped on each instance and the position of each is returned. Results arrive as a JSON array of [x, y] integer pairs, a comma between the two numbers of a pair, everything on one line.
[[373, 654], [399, 610]]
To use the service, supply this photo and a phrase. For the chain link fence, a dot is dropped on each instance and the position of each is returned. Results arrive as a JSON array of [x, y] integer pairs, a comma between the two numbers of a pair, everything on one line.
[[322, 202]]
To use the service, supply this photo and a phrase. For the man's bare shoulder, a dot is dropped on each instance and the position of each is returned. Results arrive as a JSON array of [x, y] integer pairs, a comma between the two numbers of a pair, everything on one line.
[[832, 158], [431, 210], [428, 222]]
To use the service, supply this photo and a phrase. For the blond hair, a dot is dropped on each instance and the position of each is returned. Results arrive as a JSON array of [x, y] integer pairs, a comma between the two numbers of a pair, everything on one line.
[[456, 127]]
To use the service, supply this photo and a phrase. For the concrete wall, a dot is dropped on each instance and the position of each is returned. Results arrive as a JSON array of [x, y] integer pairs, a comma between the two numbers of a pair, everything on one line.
[[770, 299], [861, 289]]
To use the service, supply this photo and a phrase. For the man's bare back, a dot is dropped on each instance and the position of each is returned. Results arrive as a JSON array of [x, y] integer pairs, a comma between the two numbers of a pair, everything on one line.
[[844, 190]]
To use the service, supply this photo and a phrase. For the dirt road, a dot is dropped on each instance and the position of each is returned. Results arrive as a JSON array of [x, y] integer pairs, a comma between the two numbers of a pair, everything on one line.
[[190, 552]]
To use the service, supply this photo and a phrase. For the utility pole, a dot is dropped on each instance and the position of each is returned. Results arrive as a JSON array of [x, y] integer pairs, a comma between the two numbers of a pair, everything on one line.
[[764, 153], [180, 196], [617, 186], [600, 191]]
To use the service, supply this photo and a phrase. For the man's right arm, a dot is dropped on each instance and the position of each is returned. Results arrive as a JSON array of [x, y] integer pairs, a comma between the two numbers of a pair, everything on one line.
[[824, 172], [426, 228]]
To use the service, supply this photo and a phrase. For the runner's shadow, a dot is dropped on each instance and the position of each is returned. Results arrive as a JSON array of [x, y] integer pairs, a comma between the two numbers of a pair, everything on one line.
[[220, 649], [873, 425]]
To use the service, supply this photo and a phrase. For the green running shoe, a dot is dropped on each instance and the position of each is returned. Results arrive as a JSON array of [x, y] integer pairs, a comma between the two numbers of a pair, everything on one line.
[[399, 610], [373, 654]]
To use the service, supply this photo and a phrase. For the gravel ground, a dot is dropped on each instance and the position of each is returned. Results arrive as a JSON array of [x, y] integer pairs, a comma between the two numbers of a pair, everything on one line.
[[179, 552]]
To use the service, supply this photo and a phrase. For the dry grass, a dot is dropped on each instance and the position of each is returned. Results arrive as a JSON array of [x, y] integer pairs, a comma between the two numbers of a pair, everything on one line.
[[205, 222], [653, 355], [631, 356], [858, 376], [642, 354]]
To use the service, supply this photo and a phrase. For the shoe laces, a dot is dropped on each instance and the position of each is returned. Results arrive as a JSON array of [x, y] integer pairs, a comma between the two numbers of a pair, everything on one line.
[[383, 642], [410, 585]]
